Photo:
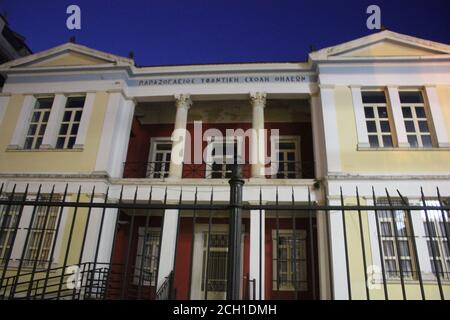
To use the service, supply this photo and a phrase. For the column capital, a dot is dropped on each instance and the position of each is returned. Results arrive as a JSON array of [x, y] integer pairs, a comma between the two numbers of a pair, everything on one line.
[[183, 100], [258, 98]]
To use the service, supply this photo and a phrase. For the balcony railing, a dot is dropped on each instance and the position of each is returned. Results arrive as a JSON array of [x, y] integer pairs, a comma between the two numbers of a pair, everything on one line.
[[160, 170], [154, 170]]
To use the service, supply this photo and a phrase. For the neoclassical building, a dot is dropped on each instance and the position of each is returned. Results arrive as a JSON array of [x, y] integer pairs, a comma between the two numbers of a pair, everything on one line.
[[142, 157]]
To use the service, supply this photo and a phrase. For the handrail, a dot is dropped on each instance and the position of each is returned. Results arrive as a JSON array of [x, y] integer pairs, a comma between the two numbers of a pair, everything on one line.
[[10, 287], [206, 170], [165, 291]]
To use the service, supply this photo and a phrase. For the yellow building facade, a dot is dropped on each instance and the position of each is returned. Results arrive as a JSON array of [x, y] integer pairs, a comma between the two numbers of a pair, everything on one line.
[[364, 123]]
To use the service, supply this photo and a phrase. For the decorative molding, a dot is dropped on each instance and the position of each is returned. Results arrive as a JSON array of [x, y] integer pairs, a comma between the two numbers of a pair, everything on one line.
[[327, 86], [392, 86], [363, 146], [183, 100], [258, 98], [389, 177], [369, 148]]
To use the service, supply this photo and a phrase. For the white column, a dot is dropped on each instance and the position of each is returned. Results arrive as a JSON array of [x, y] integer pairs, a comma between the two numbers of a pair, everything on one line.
[[318, 142], [4, 100], [257, 253], [182, 102], [109, 132], [54, 122], [168, 241], [115, 135], [323, 259], [399, 123], [339, 276], [331, 130], [107, 235], [360, 118], [23, 121], [123, 137], [437, 117], [258, 144], [84, 122], [93, 231]]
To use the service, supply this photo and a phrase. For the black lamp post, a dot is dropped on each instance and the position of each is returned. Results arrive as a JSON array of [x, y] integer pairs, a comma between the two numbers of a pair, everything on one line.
[[234, 238]]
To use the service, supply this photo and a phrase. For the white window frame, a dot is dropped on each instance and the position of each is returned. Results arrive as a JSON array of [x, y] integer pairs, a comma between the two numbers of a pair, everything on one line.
[[210, 158], [423, 258], [275, 148], [379, 133], [40, 217], [206, 259], [415, 119], [393, 239], [441, 246], [39, 123], [23, 226], [152, 156], [153, 263], [70, 123], [8, 229], [303, 280]]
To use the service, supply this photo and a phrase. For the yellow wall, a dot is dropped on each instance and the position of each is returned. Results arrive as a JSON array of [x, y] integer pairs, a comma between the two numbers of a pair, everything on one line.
[[394, 161], [72, 161], [356, 263], [70, 59], [389, 48], [73, 256]]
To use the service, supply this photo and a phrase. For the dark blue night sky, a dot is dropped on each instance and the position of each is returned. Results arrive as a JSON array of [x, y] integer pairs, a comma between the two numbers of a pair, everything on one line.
[[164, 32]]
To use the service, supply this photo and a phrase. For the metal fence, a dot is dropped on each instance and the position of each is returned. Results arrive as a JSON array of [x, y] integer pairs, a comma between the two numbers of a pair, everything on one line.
[[51, 248]]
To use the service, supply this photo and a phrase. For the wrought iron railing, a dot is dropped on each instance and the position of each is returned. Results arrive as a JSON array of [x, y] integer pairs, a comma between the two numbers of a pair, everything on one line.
[[82, 225], [166, 290], [153, 170], [160, 170], [86, 281]]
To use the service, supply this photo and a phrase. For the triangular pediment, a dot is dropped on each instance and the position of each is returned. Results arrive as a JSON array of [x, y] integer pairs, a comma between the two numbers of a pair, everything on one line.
[[389, 48], [67, 55], [381, 45], [69, 58]]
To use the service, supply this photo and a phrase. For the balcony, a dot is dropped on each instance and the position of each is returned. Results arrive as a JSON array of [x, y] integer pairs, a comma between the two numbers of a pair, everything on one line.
[[288, 141], [160, 170]]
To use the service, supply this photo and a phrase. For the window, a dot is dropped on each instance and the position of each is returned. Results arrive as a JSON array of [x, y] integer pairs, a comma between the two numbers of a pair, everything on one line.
[[377, 119], [42, 233], [289, 265], [70, 123], [38, 123], [222, 154], [436, 225], [160, 162], [415, 117], [288, 158], [147, 256], [214, 266], [9, 222], [394, 223]]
